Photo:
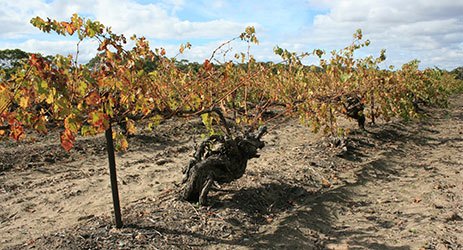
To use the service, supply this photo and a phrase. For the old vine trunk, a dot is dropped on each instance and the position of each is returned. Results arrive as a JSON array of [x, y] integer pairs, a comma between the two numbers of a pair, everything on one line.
[[222, 165]]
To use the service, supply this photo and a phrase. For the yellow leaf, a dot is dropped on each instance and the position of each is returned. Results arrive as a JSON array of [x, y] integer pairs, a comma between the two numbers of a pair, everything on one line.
[[124, 143], [71, 124], [69, 28], [109, 54], [130, 127], [24, 102]]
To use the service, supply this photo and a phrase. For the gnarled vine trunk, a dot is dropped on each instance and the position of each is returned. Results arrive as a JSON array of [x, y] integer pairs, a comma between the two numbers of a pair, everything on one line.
[[222, 165], [354, 109]]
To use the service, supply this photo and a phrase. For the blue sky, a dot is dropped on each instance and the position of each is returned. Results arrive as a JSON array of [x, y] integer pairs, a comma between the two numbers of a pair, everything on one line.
[[431, 31]]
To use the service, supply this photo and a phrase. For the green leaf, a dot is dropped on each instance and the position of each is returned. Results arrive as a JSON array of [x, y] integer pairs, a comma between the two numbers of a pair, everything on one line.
[[71, 123], [277, 50], [43, 87]]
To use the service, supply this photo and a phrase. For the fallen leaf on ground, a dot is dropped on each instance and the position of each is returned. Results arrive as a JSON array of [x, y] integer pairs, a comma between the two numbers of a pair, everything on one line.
[[326, 183]]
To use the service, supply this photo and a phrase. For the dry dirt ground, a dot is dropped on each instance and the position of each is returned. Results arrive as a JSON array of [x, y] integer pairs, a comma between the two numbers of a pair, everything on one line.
[[398, 186]]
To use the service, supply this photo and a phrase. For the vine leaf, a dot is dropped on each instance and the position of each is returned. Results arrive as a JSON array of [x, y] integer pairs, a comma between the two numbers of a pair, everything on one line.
[[99, 120], [67, 139], [16, 132], [93, 99], [40, 125]]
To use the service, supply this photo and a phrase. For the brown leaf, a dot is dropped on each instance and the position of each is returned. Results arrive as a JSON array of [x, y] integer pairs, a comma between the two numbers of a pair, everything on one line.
[[93, 99], [326, 183], [30, 243], [16, 132]]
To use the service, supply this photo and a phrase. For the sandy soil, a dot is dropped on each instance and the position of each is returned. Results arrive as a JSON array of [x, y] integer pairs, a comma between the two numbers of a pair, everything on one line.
[[398, 186]]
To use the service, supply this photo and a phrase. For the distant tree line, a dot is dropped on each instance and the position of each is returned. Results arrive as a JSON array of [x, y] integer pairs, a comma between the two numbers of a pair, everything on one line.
[[11, 59]]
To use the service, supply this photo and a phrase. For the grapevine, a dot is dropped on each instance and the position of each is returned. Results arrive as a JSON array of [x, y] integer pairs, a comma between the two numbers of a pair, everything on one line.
[[125, 86]]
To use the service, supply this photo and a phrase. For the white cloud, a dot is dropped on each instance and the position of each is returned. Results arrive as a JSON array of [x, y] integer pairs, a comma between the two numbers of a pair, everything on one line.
[[155, 22], [428, 30], [128, 17], [176, 5]]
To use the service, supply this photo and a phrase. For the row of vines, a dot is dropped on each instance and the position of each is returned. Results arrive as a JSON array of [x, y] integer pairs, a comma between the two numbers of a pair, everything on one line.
[[81, 100]]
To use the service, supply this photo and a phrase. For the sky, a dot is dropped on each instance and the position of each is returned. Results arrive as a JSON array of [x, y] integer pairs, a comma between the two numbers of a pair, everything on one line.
[[428, 30]]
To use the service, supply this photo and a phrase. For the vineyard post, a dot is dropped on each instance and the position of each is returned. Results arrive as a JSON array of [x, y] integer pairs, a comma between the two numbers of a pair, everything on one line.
[[113, 176]]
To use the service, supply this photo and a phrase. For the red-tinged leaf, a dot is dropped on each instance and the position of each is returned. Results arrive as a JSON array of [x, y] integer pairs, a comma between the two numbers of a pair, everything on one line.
[[66, 144], [417, 200], [2, 132], [16, 132], [94, 117], [30, 243], [70, 123], [124, 144], [99, 120], [67, 139], [93, 99], [12, 121], [120, 141], [130, 127], [207, 65], [33, 59]]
